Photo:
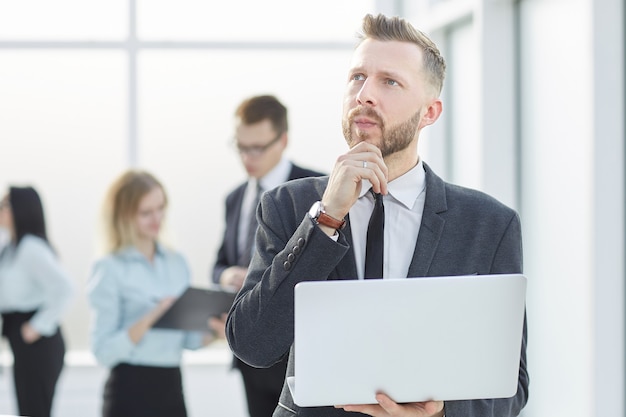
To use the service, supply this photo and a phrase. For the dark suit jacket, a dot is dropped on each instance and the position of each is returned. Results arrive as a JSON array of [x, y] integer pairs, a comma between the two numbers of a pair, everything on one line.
[[228, 253], [463, 232]]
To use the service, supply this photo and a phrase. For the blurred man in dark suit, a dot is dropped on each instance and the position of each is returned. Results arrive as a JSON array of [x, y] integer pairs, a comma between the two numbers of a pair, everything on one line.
[[261, 137]]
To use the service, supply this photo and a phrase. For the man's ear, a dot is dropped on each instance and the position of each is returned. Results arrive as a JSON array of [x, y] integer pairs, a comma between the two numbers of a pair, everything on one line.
[[285, 139], [433, 111]]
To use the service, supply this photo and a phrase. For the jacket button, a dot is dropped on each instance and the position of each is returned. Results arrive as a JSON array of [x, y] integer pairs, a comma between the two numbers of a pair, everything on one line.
[[287, 265], [301, 242], [296, 249], [291, 257]]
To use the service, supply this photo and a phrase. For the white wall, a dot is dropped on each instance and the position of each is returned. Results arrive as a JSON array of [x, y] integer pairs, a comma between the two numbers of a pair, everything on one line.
[[609, 76], [572, 203], [567, 179], [557, 202]]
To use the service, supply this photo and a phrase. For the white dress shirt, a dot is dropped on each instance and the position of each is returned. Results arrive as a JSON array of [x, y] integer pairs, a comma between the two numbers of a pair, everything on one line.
[[404, 206], [278, 175]]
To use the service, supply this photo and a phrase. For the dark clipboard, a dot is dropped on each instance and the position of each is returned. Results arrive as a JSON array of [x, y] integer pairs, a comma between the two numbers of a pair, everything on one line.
[[191, 311]]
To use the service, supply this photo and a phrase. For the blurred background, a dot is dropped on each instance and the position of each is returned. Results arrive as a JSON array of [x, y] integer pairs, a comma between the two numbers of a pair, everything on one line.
[[533, 114]]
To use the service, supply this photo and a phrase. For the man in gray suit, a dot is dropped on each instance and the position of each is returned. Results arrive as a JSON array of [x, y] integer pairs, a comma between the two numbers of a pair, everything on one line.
[[316, 229]]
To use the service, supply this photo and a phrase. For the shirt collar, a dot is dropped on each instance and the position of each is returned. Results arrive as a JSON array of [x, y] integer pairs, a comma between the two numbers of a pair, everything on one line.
[[278, 175], [131, 252], [405, 188]]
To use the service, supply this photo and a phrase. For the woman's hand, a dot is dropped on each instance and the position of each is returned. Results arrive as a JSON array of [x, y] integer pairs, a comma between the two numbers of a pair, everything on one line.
[[218, 325], [139, 329], [29, 334], [218, 329]]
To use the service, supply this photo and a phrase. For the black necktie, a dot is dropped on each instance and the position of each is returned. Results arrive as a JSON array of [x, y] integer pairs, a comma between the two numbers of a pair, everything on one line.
[[246, 255], [375, 240]]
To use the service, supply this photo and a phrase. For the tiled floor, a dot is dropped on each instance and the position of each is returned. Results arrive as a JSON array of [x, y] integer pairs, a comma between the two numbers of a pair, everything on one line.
[[212, 389]]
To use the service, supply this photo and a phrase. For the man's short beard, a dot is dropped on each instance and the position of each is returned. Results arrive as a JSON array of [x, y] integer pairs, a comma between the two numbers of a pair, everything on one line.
[[393, 139]]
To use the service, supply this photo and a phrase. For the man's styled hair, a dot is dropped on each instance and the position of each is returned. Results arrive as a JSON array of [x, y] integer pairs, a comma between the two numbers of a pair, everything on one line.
[[383, 28], [121, 205], [258, 108]]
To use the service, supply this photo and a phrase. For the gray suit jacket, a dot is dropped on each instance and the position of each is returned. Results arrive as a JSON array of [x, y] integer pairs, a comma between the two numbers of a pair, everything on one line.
[[463, 232]]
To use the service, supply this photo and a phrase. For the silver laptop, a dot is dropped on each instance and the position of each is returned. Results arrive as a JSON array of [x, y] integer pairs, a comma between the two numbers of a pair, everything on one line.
[[418, 339]]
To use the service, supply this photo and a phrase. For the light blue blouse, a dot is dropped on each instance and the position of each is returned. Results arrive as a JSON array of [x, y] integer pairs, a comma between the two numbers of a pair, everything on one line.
[[32, 278], [124, 286]]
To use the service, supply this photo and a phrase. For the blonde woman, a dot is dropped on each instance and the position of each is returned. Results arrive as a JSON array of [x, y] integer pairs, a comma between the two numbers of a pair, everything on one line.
[[129, 290]]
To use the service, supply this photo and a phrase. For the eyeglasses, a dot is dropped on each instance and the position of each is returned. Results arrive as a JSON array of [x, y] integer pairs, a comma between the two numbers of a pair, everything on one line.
[[256, 150]]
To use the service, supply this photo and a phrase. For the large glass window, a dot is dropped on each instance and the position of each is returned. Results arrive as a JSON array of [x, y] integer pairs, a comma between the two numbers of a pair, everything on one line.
[[63, 20], [244, 20], [63, 130], [186, 104], [89, 88], [463, 93]]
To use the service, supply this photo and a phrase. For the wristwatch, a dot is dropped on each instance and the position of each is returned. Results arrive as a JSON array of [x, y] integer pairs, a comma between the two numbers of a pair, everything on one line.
[[318, 214]]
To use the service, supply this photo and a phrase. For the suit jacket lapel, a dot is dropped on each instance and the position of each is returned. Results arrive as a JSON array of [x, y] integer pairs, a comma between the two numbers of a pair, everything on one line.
[[431, 227], [293, 174], [234, 241]]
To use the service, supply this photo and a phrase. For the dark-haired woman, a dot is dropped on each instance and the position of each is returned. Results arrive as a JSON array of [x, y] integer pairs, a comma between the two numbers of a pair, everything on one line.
[[34, 293]]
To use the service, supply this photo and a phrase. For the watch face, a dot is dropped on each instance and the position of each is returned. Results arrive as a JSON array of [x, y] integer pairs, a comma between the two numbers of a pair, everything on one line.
[[316, 210]]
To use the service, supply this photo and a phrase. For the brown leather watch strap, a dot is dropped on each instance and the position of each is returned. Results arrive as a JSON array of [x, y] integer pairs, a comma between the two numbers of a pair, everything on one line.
[[329, 221]]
